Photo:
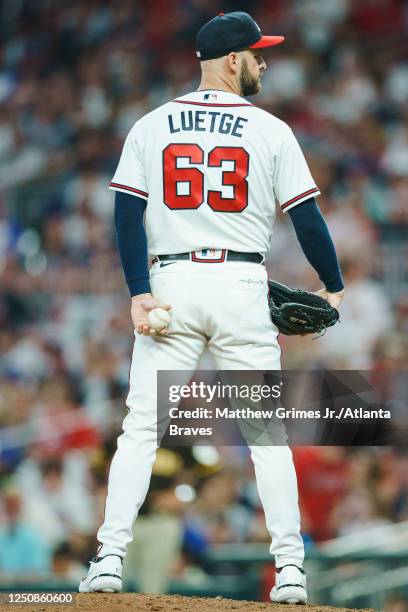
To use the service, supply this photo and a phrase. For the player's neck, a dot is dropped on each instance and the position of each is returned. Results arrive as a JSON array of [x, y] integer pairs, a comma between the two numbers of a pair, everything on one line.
[[220, 84]]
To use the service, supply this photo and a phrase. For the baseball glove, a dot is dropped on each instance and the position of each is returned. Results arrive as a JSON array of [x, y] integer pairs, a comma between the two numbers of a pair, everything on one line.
[[294, 311]]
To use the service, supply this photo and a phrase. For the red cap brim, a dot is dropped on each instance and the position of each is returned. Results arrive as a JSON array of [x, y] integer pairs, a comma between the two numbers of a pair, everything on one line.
[[267, 41]]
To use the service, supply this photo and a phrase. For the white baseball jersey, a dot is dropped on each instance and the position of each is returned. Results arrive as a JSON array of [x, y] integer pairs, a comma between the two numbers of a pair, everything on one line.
[[212, 166]]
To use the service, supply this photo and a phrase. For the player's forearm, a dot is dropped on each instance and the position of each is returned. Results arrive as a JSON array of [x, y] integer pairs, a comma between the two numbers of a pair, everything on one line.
[[315, 240], [131, 241]]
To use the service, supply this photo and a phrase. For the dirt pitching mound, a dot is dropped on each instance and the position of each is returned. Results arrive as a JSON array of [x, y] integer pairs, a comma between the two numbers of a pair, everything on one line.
[[127, 602]]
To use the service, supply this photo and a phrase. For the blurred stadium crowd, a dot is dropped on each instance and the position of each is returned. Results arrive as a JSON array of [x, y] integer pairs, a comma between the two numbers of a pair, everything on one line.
[[74, 76]]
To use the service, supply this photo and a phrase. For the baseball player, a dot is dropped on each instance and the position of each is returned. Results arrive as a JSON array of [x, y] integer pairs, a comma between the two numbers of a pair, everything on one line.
[[208, 170]]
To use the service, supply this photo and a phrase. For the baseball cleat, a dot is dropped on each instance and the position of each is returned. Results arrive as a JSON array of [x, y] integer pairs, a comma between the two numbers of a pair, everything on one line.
[[104, 575], [290, 586]]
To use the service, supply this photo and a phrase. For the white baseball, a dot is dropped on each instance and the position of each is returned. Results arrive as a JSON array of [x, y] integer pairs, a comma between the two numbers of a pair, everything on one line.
[[158, 319]]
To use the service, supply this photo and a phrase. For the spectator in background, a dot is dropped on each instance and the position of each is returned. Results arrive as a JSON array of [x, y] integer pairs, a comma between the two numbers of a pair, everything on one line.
[[358, 512], [365, 317], [323, 479], [65, 567], [394, 492], [56, 494], [218, 513], [24, 553]]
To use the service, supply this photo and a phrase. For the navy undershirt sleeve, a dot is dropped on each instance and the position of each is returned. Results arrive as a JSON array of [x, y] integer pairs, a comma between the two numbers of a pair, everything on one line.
[[132, 242], [315, 240]]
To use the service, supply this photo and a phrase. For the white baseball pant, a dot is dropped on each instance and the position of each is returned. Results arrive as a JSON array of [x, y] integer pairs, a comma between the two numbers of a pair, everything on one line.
[[223, 306]]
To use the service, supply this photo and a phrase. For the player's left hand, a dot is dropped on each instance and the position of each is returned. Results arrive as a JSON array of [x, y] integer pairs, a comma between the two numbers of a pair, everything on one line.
[[141, 306], [334, 299]]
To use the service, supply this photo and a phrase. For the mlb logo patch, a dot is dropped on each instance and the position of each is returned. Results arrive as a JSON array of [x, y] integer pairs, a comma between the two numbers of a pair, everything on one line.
[[209, 255], [210, 96]]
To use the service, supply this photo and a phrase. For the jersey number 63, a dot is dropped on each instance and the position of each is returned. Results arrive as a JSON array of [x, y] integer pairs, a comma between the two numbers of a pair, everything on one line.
[[194, 177]]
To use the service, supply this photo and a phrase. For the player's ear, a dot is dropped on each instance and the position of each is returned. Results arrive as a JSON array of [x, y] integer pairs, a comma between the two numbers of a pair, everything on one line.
[[233, 61]]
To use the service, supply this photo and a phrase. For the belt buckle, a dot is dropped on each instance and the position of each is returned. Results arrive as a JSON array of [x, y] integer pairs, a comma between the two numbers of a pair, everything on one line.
[[209, 255]]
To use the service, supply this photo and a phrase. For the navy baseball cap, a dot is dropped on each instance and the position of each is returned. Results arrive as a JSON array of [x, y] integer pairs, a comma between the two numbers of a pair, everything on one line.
[[231, 32]]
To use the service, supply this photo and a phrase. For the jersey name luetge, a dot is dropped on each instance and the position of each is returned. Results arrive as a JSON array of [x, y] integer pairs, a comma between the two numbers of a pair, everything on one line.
[[212, 167], [207, 121]]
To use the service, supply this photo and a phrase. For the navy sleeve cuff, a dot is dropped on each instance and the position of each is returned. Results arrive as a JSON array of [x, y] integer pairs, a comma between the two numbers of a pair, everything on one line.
[[334, 285], [138, 286]]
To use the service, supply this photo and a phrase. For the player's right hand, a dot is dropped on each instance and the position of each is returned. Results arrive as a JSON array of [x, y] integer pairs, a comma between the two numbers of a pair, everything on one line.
[[141, 306]]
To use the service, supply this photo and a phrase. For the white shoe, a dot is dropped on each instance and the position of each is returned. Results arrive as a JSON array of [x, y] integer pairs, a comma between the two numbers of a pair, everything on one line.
[[104, 574], [290, 586]]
